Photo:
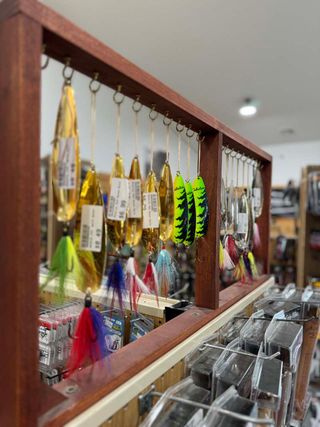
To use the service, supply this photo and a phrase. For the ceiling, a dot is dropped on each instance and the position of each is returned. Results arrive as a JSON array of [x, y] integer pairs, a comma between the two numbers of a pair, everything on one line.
[[218, 52]]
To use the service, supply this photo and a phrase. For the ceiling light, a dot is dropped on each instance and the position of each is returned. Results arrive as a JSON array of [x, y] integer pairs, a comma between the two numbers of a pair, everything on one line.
[[248, 109]]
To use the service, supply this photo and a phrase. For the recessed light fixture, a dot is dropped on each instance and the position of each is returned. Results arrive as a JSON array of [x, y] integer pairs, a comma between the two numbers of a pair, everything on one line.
[[248, 109]]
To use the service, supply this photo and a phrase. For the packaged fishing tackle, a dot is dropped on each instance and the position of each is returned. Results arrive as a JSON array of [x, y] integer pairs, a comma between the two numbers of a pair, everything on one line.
[[257, 202], [90, 233]]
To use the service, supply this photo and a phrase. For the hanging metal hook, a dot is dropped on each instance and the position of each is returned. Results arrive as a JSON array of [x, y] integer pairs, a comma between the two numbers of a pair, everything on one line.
[[93, 82], [166, 119], [67, 77], [179, 129], [136, 105], [46, 62], [199, 138], [233, 154], [153, 114], [116, 93], [189, 135], [243, 158]]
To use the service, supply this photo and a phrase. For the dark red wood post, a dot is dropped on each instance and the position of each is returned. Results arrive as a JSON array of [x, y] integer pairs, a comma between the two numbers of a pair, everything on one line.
[[20, 52], [262, 253], [207, 284]]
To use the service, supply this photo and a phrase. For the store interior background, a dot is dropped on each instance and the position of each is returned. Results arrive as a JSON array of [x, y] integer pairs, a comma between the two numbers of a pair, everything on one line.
[[216, 54]]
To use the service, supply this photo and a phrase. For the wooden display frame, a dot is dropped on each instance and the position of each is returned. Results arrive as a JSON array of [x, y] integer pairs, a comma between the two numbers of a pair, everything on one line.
[[25, 25]]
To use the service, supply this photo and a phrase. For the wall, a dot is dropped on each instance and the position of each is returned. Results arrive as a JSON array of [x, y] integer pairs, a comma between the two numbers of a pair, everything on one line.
[[106, 118], [290, 158]]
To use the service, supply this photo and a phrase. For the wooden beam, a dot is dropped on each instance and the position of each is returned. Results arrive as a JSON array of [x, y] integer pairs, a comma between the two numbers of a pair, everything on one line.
[[20, 41], [262, 253], [97, 381], [89, 55], [207, 283]]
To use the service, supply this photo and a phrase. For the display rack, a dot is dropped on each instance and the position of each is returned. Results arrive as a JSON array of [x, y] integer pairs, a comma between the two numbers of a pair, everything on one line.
[[308, 264], [25, 26]]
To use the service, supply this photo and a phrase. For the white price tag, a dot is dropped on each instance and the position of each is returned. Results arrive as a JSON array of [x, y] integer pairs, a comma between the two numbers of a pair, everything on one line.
[[257, 197], [134, 209], [150, 210], [118, 200], [242, 223], [196, 419], [67, 164], [91, 230]]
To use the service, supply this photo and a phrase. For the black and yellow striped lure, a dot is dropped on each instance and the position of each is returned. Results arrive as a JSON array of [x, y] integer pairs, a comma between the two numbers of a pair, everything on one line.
[[180, 223], [201, 204], [191, 229]]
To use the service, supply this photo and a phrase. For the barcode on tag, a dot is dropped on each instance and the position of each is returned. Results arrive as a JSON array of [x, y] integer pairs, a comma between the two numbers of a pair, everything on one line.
[[257, 197], [118, 200], [242, 223], [150, 210], [67, 164], [134, 208], [91, 230]]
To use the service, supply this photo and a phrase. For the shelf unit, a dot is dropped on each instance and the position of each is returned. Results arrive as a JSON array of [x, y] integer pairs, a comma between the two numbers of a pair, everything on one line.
[[308, 262], [25, 25]]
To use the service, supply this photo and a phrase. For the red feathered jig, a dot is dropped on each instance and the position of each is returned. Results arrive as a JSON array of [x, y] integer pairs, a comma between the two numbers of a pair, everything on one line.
[[89, 341]]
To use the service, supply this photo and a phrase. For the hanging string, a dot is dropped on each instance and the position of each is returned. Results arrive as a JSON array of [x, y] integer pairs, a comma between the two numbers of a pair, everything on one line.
[[243, 159], [167, 122], [179, 129], [237, 181], [93, 126], [179, 150], [189, 134], [118, 103], [200, 140], [136, 107], [152, 115], [188, 160], [94, 87], [248, 177]]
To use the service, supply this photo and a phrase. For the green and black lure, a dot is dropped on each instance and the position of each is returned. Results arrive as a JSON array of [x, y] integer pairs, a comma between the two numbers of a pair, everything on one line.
[[180, 224], [201, 203], [191, 229]]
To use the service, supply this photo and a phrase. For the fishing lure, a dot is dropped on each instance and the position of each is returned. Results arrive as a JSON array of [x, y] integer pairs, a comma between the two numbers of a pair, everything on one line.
[[89, 341], [91, 243], [191, 229], [180, 224], [134, 284], [150, 278], [65, 163], [116, 283], [117, 206], [151, 217], [166, 203], [134, 216], [201, 205], [64, 264], [65, 158]]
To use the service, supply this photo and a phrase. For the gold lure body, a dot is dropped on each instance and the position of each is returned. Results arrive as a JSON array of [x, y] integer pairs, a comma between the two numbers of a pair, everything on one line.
[[166, 203], [134, 225], [65, 159]]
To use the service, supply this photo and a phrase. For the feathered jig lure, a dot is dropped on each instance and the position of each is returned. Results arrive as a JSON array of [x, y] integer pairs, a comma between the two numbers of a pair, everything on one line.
[[65, 162], [134, 284], [150, 278], [89, 342], [117, 284]]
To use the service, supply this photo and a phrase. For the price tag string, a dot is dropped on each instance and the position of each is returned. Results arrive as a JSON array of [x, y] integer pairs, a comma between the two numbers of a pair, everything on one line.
[[118, 101], [94, 87], [152, 115]]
